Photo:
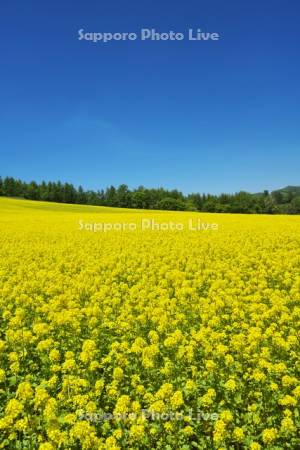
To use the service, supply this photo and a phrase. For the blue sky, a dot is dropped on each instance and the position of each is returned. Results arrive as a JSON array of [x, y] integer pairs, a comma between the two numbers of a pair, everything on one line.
[[198, 116]]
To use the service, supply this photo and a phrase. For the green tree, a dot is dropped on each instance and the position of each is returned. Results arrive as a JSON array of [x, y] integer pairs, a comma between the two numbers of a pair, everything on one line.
[[33, 192], [294, 207], [171, 204], [123, 196]]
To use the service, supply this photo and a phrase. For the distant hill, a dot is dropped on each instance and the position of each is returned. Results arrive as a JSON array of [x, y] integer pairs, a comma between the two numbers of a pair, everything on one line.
[[286, 192], [294, 191]]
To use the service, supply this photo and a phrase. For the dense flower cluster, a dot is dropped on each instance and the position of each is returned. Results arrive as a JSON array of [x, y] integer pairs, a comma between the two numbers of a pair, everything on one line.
[[163, 321]]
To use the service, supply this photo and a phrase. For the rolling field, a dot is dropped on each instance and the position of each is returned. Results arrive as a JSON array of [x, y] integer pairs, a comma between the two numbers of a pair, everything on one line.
[[127, 329]]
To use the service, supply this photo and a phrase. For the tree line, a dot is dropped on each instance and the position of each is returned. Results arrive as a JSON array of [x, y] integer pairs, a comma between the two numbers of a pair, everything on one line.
[[285, 201]]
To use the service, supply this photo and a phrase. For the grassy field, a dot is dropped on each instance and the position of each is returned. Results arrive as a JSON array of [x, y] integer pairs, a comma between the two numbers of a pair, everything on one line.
[[146, 337]]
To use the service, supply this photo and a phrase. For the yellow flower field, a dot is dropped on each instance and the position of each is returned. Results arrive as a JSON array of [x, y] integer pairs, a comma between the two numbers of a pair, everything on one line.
[[147, 338]]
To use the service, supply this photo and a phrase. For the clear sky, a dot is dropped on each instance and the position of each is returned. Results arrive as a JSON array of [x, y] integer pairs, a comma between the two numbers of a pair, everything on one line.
[[213, 117]]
